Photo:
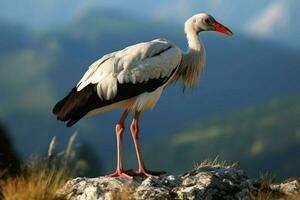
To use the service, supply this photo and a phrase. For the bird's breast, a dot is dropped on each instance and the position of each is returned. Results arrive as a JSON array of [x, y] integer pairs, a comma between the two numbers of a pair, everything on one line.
[[147, 100]]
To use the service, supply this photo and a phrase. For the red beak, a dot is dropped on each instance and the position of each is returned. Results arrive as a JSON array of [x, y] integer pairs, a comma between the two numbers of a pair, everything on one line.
[[221, 28]]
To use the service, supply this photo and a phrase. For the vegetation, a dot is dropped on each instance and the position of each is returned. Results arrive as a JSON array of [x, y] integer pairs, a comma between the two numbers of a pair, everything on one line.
[[216, 161], [265, 193], [37, 181], [38, 178]]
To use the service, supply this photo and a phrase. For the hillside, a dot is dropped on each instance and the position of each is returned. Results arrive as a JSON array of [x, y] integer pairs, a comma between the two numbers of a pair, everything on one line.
[[263, 138]]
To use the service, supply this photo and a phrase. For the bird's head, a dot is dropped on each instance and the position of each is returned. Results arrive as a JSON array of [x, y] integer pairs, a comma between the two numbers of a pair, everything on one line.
[[205, 22]]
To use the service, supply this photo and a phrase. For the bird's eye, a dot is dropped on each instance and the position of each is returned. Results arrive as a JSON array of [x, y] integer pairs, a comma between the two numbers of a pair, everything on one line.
[[207, 21]]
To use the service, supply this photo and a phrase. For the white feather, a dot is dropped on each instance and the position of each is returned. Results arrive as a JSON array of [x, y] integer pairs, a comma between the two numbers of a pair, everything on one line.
[[146, 100], [137, 63]]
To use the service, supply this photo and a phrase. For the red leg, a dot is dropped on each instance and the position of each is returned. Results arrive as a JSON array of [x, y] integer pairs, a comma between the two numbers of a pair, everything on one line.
[[119, 133], [135, 135]]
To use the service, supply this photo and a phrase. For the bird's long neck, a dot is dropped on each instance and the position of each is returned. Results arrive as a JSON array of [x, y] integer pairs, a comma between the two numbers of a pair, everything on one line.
[[194, 42], [193, 60]]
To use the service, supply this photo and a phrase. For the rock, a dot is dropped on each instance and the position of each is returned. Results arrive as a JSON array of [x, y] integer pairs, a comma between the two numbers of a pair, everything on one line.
[[204, 182], [290, 187]]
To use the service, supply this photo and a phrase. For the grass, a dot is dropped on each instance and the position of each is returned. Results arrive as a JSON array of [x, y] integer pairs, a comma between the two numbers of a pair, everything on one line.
[[265, 193], [37, 181], [214, 162], [40, 178]]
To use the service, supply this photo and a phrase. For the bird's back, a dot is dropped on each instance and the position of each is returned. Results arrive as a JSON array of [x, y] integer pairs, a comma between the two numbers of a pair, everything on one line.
[[145, 58]]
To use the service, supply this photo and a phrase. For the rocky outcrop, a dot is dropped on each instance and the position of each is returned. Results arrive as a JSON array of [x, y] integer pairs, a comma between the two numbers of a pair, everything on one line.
[[203, 182], [289, 187]]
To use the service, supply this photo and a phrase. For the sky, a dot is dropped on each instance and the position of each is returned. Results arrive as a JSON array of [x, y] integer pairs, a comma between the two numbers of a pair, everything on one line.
[[264, 19]]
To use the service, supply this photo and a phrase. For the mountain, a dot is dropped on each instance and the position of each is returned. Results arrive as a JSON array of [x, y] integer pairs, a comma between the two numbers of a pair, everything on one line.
[[270, 20], [262, 139], [240, 71]]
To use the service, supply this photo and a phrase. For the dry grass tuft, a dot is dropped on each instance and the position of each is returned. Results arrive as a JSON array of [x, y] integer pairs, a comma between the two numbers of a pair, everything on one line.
[[265, 193], [37, 181], [215, 161]]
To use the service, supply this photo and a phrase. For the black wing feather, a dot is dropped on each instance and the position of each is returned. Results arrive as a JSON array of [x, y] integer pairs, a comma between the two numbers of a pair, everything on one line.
[[77, 104]]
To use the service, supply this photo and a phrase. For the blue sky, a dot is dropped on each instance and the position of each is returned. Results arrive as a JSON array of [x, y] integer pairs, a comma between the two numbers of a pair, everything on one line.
[[264, 19]]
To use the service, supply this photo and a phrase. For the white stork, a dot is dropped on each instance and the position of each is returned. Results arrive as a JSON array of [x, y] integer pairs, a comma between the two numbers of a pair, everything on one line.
[[133, 79]]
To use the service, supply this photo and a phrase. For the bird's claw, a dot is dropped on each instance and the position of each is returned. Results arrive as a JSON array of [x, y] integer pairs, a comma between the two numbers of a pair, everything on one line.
[[141, 172], [120, 173], [148, 173]]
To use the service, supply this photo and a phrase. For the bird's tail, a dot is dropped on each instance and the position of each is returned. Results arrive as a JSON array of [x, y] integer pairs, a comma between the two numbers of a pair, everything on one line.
[[74, 106]]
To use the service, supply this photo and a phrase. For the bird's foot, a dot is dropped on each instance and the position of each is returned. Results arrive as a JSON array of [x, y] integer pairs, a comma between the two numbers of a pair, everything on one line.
[[148, 173], [121, 173]]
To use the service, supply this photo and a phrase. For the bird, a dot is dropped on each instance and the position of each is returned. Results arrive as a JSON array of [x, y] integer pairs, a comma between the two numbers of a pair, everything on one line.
[[133, 79]]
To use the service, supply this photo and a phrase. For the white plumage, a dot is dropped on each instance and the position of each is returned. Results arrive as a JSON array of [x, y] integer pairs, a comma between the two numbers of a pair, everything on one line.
[[134, 64]]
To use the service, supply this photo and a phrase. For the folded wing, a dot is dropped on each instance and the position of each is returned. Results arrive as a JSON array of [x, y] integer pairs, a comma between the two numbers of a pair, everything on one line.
[[118, 76]]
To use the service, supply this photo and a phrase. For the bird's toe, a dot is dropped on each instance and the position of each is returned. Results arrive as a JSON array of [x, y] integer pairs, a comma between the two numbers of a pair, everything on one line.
[[120, 173], [148, 173]]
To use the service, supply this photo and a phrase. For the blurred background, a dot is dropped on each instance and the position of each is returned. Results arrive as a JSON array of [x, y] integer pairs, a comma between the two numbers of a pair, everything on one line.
[[246, 108]]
